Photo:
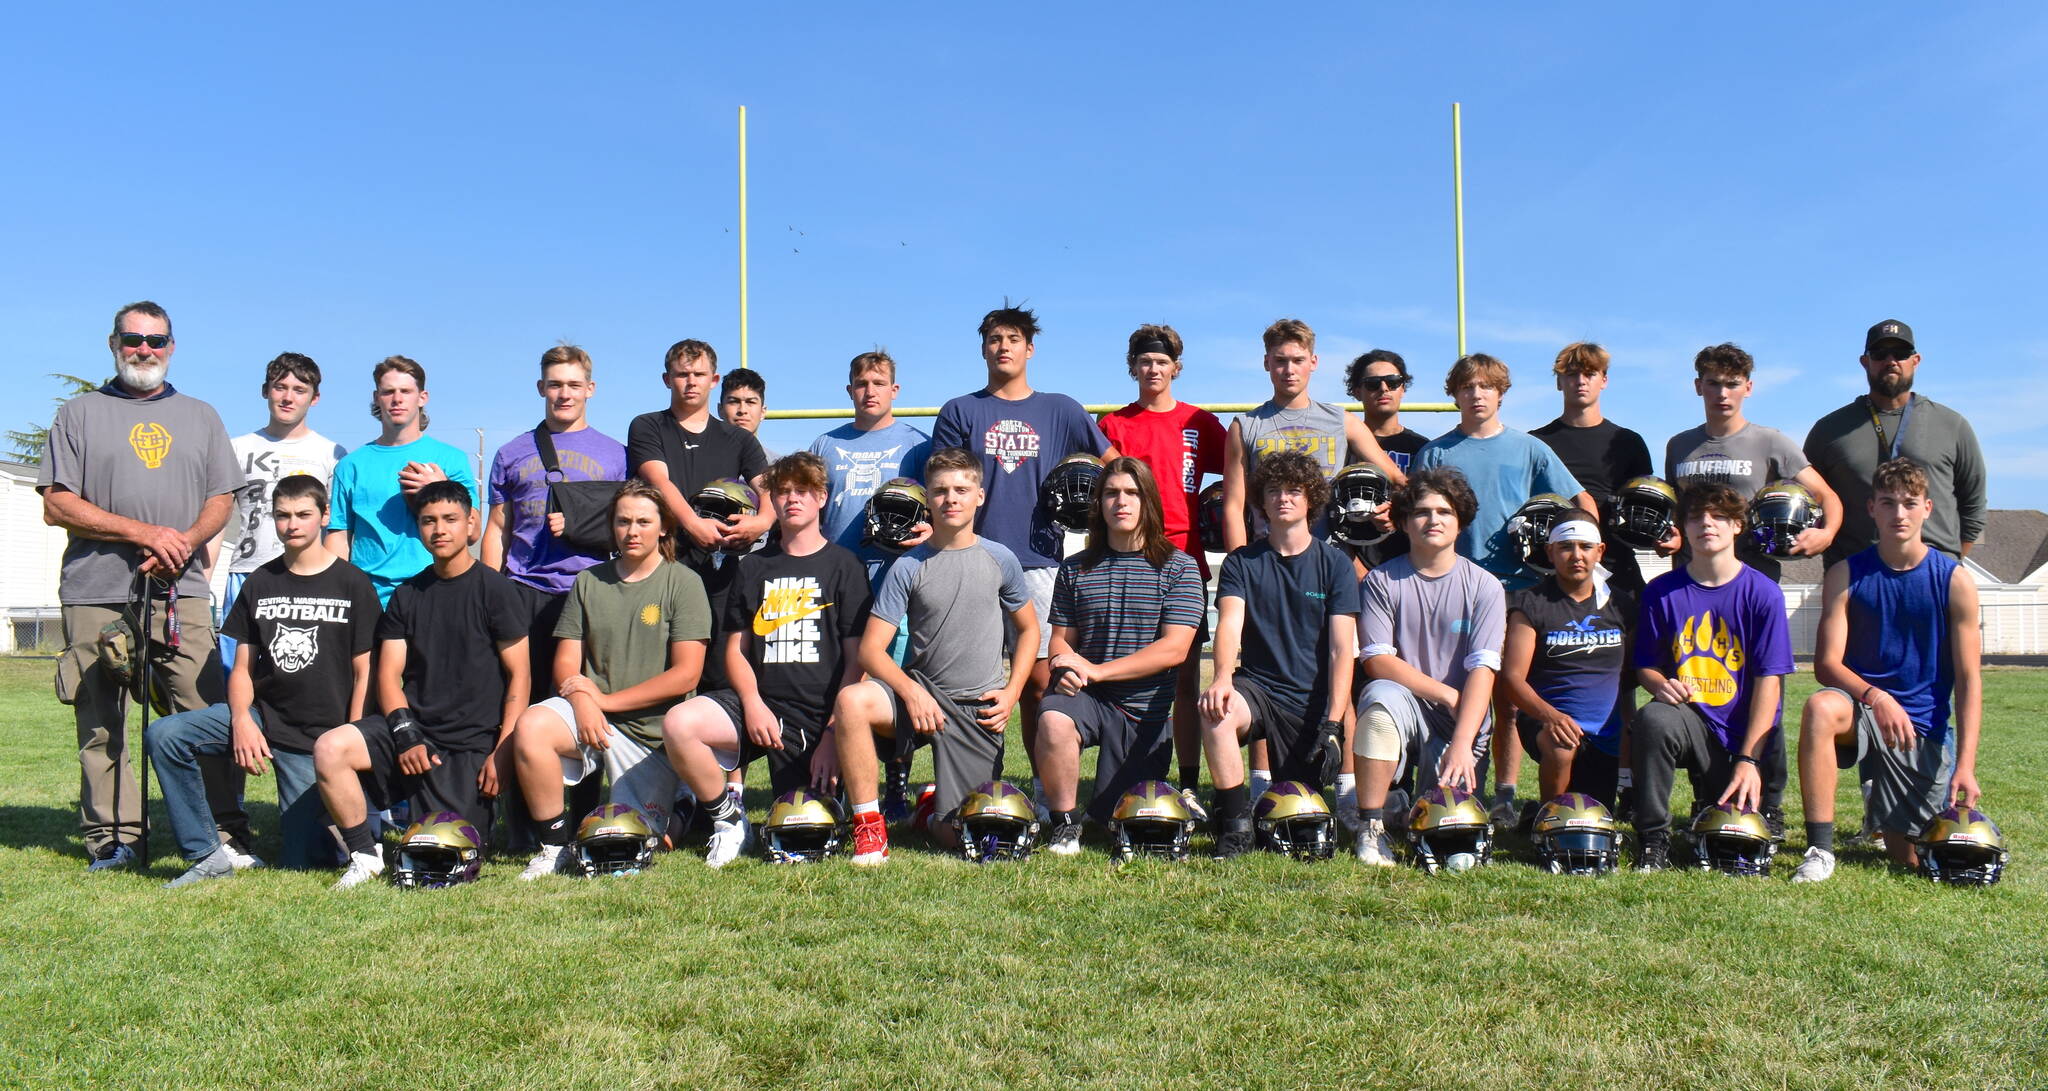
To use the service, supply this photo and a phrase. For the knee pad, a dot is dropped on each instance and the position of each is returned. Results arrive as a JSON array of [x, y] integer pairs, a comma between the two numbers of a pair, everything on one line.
[[1379, 737]]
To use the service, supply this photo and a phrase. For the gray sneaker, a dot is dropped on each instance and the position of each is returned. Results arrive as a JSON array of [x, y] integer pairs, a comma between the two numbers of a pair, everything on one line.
[[1195, 809], [115, 856], [1372, 847], [1065, 840], [215, 865], [1347, 810], [242, 861], [547, 860], [1818, 867]]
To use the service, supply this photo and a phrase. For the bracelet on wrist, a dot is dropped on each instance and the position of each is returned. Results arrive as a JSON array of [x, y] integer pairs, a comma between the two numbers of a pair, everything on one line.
[[1865, 699], [1745, 759]]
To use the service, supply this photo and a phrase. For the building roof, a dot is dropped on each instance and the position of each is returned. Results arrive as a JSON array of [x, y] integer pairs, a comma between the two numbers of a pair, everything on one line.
[[1793, 570], [19, 469], [2015, 544]]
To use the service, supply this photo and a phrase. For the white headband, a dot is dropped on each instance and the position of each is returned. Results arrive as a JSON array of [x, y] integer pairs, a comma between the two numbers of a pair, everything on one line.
[[1574, 530]]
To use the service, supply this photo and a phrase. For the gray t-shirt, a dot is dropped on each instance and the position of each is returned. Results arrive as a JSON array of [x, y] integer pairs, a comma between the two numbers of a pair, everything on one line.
[[1844, 448], [157, 460], [1316, 430], [1444, 626], [1746, 460], [956, 600]]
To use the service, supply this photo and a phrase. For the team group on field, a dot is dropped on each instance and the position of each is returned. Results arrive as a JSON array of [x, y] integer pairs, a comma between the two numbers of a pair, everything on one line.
[[1393, 616]]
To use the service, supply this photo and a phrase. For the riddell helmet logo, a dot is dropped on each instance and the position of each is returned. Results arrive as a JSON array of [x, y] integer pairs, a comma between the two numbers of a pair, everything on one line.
[[151, 441], [1010, 442]]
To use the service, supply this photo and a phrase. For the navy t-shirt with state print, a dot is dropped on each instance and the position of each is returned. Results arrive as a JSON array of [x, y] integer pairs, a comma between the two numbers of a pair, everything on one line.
[[1019, 443], [454, 680]]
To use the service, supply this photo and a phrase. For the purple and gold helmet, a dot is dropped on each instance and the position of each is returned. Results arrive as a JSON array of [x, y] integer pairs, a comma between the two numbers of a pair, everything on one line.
[[1963, 846], [1069, 491], [1294, 819], [441, 850], [802, 827], [894, 512], [1575, 834], [722, 498], [1530, 529], [614, 840], [1355, 495], [996, 822], [1209, 517], [1736, 842], [1644, 513], [1151, 820], [1779, 512], [1449, 831]]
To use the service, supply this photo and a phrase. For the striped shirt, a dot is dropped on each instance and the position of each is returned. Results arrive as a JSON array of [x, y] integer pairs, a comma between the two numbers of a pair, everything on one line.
[[1119, 606]]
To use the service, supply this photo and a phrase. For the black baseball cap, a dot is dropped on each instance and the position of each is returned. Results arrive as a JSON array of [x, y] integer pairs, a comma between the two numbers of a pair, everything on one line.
[[1891, 329]]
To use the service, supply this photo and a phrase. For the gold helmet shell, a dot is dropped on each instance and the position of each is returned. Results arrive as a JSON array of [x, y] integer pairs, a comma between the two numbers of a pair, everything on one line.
[[894, 512], [440, 850], [1731, 840], [1964, 847], [996, 822], [802, 826], [1778, 513], [1151, 820], [1448, 830], [1576, 834], [1069, 491], [1294, 819], [614, 839], [1530, 528], [1644, 512]]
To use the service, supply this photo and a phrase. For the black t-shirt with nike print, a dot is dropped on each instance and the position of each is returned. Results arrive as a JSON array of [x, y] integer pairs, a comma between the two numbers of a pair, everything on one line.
[[303, 634], [794, 612]]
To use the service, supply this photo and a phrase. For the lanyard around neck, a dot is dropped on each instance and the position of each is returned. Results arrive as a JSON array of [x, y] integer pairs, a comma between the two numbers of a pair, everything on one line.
[[1904, 416]]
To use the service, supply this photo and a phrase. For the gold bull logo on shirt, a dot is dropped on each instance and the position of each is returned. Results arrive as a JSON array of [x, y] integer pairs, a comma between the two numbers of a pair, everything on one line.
[[151, 442], [1709, 657]]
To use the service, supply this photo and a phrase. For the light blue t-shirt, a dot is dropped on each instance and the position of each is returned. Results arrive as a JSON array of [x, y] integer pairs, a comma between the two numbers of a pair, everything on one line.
[[383, 538], [856, 464], [1504, 470]]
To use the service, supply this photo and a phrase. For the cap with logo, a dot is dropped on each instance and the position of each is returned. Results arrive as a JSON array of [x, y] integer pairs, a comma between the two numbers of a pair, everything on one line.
[[1891, 329]]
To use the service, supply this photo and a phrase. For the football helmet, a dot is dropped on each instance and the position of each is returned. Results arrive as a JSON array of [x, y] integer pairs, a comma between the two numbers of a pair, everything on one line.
[[1069, 491], [1736, 842], [1644, 513], [1209, 517], [614, 840], [1530, 528], [725, 497], [1449, 831], [1780, 511], [1151, 820], [802, 826], [996, 822], [1294, 819], [1576, 835], [1355, 493], [440, 850], [894, 512], [1964, 847]]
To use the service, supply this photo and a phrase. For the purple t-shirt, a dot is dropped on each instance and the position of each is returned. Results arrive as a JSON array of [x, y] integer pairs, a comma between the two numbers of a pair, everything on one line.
[[1019, 443], [1720, 639], [535, 557]]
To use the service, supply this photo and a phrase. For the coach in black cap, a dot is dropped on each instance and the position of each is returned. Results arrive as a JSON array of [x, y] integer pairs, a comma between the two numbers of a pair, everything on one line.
[[1890, 421]]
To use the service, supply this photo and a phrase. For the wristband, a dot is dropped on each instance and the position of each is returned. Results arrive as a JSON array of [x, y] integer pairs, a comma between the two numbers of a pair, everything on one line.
[[1742, 759], [405, 731], [1865, 699]]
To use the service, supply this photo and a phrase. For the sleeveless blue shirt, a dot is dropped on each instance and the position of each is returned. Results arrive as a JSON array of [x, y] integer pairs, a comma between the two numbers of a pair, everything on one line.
[[1899, 636]]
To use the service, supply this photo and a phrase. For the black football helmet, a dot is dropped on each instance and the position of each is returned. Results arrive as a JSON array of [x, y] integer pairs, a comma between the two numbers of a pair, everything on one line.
[[1069, 491], [1963, 846], [437, 851], [1575, 835], [1644, 513], [1779, 512], [996, 822], [1151, 820], [1449, 831], [614, 840], [1209, 517], [1530, 528], [1735, 842], [802, 826], [894, 512], [1355, 494]]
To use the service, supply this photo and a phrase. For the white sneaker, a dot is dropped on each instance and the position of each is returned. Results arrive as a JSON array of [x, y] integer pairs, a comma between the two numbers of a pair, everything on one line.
[[241, 861], [115, 857], [1818, 866], [1260, 781], [728, 840], [362, 867], [1347, 810], [1194, 805], [547, 860], [1372, 847]]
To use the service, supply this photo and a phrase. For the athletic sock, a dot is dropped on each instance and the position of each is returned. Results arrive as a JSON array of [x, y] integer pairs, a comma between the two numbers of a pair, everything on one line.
[[552, 832], [727, 809], [870, 807], [1234, 802], [1346, 780], [1821, 835], [1503, 793], [358, 838], [1065, 818], [1191, 775]]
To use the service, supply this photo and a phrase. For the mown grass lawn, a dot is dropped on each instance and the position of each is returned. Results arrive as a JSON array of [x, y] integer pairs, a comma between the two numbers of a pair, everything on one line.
[[1060, 972]]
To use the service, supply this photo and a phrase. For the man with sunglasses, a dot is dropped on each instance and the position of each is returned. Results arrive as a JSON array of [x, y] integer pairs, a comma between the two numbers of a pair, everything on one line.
[[1379, 379], [142, 477], [1892, 421]]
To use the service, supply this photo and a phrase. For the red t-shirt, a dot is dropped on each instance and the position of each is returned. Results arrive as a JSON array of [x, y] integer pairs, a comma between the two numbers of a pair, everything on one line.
[[1180, 445]]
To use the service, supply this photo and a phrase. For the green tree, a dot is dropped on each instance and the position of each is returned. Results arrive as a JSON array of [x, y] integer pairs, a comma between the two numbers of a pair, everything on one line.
[[28, 443]]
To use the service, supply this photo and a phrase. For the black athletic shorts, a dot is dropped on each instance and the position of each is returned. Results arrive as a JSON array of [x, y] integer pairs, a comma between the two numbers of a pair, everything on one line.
[[449, 786]]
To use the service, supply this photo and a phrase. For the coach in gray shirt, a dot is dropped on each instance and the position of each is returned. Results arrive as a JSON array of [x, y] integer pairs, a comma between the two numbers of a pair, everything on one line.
[[1890, 421], [142, 477]]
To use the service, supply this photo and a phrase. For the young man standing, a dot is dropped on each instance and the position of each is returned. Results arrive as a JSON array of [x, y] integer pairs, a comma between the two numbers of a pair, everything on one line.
[[1020, 435], [742, 401], [1181, 444], [859, 457], [956, 590], [451, 679], [1378, 379], [370, 523], [285, 446], [1601, 454], [308, 617], [1431, 625], [1290, 603], [1712, 648], [792, 642], [1898, 652], [1124, 616]]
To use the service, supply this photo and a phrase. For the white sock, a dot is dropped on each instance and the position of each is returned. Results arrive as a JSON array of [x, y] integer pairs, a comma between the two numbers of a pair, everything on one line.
[[1346, 782], [870, 807]]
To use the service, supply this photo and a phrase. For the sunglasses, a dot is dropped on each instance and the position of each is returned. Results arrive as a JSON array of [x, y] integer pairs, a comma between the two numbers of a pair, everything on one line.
[[1384, 382], [1891, 352], [137, 340]]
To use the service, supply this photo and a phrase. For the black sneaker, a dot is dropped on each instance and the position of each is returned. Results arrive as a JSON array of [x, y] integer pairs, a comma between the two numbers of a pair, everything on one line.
[[1233, 838], [896, 793], [1065, 839], [1654, 852], [1625, 806], [1526, 823], [1774, 820]]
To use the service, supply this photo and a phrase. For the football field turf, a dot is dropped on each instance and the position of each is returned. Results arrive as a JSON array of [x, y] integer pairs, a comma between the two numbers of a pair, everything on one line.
[[1260, 972]]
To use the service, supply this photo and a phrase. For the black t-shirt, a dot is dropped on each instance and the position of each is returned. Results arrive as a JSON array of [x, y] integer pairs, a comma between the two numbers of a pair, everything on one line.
[[795, 612], [454, 681], [1400, 447], [303, 634], [1603, 458], [694, 459], [1582, 649]]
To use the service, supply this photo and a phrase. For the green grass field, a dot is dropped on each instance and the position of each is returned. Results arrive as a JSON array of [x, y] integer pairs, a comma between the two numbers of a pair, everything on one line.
[[1261, 972]]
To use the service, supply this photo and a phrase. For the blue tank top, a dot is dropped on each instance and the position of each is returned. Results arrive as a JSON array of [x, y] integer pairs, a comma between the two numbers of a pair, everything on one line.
[[1898, 635]]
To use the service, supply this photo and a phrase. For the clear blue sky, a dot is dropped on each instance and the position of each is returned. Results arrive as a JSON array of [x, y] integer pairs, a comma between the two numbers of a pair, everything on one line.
[[467, 184]]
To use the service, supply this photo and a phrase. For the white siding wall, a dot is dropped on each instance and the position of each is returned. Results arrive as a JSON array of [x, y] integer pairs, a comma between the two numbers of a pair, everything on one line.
[[30, 555]]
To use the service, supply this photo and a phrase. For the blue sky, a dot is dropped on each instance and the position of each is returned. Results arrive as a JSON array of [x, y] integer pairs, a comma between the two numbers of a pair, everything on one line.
[[467, 184]]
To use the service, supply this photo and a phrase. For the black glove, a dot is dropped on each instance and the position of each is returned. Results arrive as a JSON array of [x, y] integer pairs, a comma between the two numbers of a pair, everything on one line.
[[405, 731], [1328, 756]]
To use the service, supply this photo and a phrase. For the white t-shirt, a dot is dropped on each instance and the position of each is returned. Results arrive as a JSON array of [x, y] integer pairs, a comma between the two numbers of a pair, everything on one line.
[[265, 462]]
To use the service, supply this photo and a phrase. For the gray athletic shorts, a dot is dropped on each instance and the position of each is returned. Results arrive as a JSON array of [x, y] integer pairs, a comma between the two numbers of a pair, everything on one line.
[[1907, 788], [1421, 748], [1040, 581], [965, 755], [1127, 751]]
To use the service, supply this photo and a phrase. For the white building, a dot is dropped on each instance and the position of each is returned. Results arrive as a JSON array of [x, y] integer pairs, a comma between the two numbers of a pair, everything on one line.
[[33, 552]]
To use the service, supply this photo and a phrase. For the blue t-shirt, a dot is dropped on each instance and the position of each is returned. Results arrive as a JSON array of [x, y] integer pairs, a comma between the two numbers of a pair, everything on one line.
[[1119, 606], [1899, 635], [1504, 470], [1019, 443], [383, 537], [856, 464], [535, 557], [1720, 639], [1288, 604]]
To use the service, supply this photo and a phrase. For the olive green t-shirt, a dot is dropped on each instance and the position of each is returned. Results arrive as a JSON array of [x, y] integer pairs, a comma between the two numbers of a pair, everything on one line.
[[626, 629]]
